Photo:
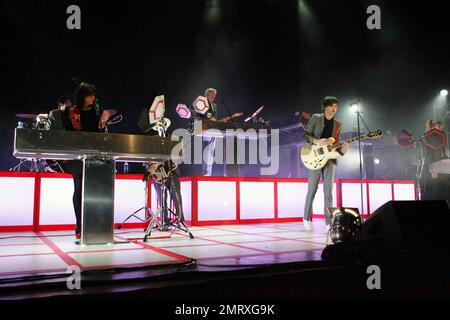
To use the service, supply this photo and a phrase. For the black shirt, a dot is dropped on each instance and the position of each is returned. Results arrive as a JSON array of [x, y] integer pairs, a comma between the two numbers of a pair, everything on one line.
[[327, 129], [89, 120]]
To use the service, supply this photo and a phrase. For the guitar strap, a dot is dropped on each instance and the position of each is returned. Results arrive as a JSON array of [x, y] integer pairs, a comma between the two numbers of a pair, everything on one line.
[[337, 126]]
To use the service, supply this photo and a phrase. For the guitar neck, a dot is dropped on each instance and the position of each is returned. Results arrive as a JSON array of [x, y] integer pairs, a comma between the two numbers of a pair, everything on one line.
[[339, 145]]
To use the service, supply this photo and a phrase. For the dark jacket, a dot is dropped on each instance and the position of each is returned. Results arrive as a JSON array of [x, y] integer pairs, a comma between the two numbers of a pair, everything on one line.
[[315, 126]]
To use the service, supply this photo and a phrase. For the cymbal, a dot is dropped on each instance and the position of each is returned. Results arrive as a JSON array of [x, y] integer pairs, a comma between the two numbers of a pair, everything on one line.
[[26, 115], [111, 111]]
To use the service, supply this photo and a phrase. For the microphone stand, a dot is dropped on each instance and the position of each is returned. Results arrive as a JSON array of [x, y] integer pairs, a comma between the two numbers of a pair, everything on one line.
[[420, 162], [361, 178]]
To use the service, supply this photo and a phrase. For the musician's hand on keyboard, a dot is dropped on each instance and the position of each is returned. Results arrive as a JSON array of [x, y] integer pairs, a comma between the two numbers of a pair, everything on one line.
[[104, 118]]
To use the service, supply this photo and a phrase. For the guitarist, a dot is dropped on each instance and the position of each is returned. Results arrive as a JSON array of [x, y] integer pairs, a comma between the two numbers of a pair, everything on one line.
[[211, 114], [85, 115], [323, 129]]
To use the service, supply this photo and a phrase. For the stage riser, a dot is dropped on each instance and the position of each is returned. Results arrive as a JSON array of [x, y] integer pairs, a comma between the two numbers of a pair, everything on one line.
[[43, 201]]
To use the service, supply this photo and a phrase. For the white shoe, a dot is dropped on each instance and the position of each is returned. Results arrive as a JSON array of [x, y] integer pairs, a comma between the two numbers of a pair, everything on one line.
[[307, 225]]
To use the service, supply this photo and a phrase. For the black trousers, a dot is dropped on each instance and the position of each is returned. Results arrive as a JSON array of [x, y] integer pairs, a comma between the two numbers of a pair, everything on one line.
[[75, 167]]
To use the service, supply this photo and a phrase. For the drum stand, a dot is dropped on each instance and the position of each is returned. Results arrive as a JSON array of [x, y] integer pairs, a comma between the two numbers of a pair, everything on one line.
[[158, 218], [35, 165]]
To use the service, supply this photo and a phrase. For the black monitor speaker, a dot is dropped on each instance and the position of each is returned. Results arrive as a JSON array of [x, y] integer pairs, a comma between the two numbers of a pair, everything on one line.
[[410, 226]]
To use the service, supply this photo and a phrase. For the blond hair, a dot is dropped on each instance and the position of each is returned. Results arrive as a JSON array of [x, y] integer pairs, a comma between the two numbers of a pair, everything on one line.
[[430, 124], [210, 90]]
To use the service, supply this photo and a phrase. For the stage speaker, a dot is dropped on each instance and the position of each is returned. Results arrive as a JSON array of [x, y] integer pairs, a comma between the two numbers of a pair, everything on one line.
[[410, 226]]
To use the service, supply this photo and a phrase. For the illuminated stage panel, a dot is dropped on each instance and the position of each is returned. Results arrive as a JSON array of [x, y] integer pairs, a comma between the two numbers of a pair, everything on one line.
[[17, 201], [380, 193], [154, 201], [403, 191], [318, 200], [257, 200], [351, 195], [56, 201], [186, 194], [291, 199], [129, 196], [216, 200]]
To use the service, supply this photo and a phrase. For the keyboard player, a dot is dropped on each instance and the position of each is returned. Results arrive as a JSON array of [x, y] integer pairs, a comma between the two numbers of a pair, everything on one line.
[[85, 115]]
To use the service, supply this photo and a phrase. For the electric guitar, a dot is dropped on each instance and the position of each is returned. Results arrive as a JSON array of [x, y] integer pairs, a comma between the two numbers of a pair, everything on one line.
[[234, 115], [315, 157]]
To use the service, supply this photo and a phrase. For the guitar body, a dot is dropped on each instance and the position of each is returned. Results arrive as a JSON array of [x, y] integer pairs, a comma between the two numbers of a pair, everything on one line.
[[315, 157]]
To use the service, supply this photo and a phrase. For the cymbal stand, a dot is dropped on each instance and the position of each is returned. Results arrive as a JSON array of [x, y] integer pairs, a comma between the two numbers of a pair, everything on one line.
[[176, 221]]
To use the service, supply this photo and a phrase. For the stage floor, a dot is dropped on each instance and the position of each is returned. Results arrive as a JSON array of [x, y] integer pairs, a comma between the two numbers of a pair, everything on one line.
[[30, 254]]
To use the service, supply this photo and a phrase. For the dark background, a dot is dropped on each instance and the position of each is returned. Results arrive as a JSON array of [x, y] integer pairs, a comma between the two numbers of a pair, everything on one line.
[[285, 55]]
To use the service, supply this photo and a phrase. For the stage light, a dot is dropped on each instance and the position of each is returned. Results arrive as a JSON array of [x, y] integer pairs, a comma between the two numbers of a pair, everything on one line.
[[354, 107], [444, 93], [346, 223], [405, 139], [376, 161], [434, 139], [183, 111], [152, 114]]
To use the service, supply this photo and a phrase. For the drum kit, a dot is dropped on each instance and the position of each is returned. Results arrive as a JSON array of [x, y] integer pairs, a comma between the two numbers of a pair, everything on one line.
[[42, 122]]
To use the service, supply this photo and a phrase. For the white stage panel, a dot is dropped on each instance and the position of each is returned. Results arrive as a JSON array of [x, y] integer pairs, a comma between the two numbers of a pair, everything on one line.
[[403, 191], [291, 199], [318, 200], [56, 201], [351, 195], [216, 200], [379, 194], [186, 194], [257, 200], [16, 201], [153, 199], [129, 196]]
